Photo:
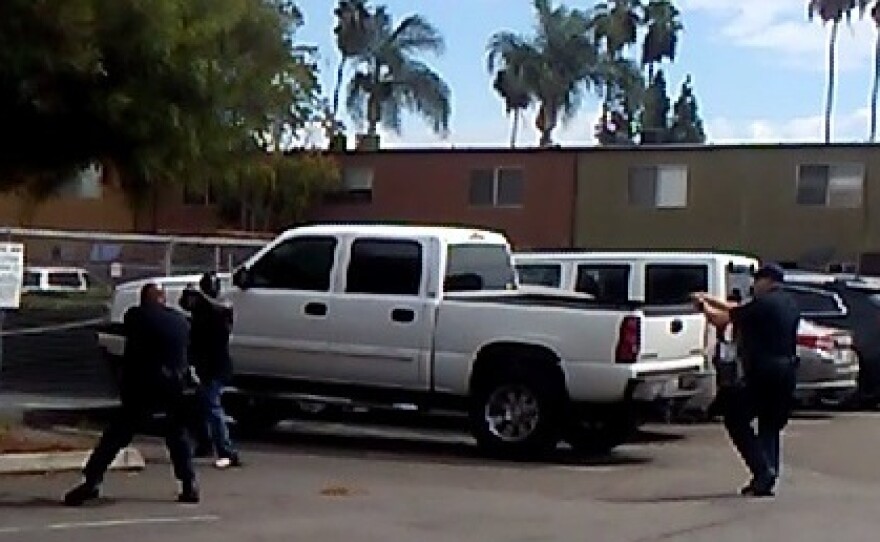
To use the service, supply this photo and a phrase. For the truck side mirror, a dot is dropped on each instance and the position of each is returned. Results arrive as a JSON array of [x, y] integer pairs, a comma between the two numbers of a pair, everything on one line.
[[241, 279]]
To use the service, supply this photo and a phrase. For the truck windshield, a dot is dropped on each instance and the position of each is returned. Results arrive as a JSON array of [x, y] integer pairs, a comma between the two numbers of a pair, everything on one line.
[[479, 267]]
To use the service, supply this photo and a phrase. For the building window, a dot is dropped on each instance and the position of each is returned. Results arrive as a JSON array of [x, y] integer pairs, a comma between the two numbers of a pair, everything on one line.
[[356, 186], [831, 185], [659, 187], [499, 187]]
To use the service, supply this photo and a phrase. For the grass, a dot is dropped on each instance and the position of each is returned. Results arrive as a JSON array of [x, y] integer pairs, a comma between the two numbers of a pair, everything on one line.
[[94, 298], [19, 440]]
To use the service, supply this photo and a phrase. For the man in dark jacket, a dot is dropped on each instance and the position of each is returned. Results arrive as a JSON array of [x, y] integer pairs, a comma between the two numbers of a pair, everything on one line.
[[211, 326], [154, 376], [766, 337]]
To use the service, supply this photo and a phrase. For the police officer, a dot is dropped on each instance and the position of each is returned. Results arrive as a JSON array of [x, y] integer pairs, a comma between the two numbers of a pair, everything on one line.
[[765, 330], [153, 381], [211, 323]]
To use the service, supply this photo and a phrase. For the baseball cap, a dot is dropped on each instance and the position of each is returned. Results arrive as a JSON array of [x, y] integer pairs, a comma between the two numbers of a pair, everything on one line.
[[770, 271]]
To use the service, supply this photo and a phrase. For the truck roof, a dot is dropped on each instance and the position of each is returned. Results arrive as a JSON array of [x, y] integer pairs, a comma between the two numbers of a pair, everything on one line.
[[448, 234], [637, 255]]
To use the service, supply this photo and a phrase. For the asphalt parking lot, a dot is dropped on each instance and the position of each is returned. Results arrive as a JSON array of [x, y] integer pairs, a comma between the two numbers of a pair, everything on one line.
[[333, 482]]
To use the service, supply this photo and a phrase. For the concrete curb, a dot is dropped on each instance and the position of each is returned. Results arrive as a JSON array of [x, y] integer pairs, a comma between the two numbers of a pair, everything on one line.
[[129, 459]]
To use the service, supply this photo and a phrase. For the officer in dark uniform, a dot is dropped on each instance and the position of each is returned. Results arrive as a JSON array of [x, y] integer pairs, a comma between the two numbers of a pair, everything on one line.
[[765, 330], [211, 326], [154, 378]]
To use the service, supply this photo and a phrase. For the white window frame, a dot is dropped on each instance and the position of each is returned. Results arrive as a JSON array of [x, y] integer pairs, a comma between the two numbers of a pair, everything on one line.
[[677, 197]]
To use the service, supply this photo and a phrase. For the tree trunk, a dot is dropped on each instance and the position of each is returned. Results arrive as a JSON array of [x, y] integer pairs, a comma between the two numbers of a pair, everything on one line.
[[340, 73], [515, 129], [875, 91], [373, 114], [832, 66]]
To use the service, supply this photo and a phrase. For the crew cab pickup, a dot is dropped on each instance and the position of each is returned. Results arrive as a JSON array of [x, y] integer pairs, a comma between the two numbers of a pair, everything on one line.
[[434, 318]]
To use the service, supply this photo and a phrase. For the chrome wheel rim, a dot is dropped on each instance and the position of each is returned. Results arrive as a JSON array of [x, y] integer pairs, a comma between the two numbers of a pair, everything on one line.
[[512, 413]]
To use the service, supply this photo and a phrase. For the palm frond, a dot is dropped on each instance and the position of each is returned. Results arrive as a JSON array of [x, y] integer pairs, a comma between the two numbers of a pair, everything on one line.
[[416, 34], [359, 89], [424, 92]]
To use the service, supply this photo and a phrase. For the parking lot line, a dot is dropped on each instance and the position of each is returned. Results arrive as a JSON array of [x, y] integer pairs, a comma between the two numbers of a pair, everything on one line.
[[103, 524]]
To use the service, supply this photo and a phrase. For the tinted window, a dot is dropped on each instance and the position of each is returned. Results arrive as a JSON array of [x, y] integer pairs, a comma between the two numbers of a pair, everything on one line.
[[304, 263], [478, 267], [608, 283], [65, 280], [31, 279], [540, 274], [815, 302], [670, 284], [381, 266]]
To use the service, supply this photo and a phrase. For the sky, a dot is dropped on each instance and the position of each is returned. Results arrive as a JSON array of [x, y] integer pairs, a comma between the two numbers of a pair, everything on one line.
[[758, 69]]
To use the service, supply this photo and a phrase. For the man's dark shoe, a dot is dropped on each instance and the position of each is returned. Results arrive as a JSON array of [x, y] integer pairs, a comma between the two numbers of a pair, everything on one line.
[[759, 488], [81, 494], [748, 490], [190, 494]]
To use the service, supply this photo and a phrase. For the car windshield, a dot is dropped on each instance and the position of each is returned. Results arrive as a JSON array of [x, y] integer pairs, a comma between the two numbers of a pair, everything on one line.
[[475, 267]]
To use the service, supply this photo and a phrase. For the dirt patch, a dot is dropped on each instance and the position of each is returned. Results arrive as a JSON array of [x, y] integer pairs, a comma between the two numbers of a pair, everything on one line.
[[22, 440]]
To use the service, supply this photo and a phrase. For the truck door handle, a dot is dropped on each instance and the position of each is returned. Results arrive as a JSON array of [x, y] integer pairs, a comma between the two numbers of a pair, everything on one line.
[[676, 326], [315, 309], [403, 315]]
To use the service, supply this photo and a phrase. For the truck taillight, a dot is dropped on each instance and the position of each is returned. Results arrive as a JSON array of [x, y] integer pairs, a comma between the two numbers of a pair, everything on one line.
[[629, 341], [816, 342]]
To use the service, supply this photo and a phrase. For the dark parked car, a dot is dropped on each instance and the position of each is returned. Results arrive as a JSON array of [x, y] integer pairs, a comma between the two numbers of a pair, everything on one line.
[[859, 314]]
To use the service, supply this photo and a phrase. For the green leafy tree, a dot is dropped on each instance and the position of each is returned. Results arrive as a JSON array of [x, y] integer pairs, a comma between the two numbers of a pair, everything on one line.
[[655, 113], [687, 126], [833, 12], [390, 77], [557, 66], [156, 91]]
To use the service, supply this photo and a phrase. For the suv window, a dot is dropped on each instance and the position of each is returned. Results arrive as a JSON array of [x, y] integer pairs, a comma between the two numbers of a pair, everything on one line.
[[606, 282], [478, 267], [302, 263], [31, 279], [384, 266], [814, 303], [65, 279], [540, 274], [672, 284]]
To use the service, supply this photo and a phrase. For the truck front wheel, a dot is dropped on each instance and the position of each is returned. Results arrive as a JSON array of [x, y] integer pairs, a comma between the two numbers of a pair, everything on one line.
[[516, 414]]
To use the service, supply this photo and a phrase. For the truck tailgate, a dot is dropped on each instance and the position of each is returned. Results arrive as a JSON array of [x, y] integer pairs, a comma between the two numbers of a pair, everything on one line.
[[671, 334]]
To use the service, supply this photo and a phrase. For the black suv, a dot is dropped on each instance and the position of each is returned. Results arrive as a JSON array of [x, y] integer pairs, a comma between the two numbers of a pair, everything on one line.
[[859, 314]]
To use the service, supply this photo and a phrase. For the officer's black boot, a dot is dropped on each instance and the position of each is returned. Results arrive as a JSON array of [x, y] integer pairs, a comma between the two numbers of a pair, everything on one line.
[[190, 493], [82, 494]]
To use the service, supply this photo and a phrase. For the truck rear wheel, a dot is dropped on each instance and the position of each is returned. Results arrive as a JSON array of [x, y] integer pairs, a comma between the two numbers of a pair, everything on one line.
[[516, 414]]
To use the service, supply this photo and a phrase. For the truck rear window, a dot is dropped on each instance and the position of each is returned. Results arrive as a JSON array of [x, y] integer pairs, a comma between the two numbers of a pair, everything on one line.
[[479, 267], [672, 284]]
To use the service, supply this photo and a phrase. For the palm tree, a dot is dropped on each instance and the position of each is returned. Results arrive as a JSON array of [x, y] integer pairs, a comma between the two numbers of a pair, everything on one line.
[[509, 84], [875, 17], [352, 37], [390, 77], [831, 11], [556, 65], [617, 24], [661, 41]]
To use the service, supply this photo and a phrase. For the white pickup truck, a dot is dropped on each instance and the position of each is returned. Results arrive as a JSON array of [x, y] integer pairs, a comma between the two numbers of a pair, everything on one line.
[[433, 318]]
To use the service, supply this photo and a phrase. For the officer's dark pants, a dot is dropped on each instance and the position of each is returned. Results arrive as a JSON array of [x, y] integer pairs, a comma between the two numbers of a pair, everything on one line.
[[767, 397], [132, 419]]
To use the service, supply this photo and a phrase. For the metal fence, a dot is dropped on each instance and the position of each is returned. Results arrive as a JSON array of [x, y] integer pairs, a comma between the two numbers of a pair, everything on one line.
[[49, 345]]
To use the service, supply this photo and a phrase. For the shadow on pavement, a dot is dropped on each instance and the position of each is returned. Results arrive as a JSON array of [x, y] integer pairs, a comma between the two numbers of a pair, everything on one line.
[[658, 499]]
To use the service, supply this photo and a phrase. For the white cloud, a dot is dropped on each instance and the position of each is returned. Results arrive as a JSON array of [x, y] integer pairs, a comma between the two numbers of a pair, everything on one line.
[[849, 127], [781, 28]]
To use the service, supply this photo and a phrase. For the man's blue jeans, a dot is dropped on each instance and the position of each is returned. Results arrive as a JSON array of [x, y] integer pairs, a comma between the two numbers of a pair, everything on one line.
[[210, 394]]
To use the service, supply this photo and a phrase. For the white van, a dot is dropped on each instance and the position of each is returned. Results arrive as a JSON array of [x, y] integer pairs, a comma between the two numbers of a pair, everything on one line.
[[55, 280], [652, 278]]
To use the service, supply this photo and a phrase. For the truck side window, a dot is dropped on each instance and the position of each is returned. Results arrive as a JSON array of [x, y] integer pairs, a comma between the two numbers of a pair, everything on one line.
[[384, 266], [301, 263], [672, 284], [605, 282], [540, 274]]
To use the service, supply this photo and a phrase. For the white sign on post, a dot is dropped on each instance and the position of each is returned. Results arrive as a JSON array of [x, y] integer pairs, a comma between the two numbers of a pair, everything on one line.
[[11, 275]]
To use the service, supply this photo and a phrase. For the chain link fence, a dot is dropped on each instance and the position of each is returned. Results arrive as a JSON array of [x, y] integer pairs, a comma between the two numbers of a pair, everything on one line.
[[49, 345]]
